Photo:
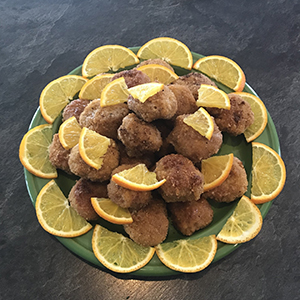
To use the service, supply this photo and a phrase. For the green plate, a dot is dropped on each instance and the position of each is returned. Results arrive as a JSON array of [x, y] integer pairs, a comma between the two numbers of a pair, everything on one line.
[[82, 247]]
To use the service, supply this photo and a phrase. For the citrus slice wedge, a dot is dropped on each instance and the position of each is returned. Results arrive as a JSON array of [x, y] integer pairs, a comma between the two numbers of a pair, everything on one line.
[[69, 133], [215, 170], [55, 214], [57, 94], [222, 69], [34, 154], [118, 253], [243, 225], [201, 121], [110, 211], [143, 91], [210, 96], [188, 256], [138, 178], [171, 50], [268, 173], [108, 58]]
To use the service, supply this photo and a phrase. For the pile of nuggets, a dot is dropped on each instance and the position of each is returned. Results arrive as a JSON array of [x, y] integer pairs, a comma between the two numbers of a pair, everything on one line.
[[154, 133]]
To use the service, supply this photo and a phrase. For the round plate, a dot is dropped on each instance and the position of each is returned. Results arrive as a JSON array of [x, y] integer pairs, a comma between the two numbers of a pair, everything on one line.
[[82, 246]]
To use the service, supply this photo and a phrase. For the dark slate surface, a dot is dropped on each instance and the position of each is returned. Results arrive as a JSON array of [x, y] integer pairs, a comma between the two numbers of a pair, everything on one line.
[[42, 40]]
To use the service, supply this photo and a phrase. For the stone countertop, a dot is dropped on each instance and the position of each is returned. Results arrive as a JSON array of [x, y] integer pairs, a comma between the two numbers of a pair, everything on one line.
[[42, 40]]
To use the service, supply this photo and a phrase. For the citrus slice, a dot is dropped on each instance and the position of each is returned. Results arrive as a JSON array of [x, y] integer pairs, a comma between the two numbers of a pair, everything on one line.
[[92, 147], [69, 133], [143, 91], [268, 173], [188, 256], [260, 116], [33, 152], [215, 170], [108, 58], [158, 73], [114, 93], [110, 211], [202, 122], [243, 225], [210, 96], [171, 50], [118, 253], [138, 178], [55, 214], [57, 94], [223, 70], [93, 88]]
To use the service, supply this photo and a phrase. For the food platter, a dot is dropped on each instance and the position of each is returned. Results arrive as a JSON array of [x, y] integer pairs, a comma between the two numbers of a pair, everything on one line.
[[82, 246]]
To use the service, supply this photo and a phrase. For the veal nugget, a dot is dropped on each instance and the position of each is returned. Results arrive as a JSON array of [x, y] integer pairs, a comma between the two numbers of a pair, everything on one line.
[[74, 108], [155, 61], [132, 77]]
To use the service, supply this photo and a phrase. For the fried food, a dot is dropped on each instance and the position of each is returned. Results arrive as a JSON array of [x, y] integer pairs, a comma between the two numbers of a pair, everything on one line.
[[191, 144], [74, 108], [155, 61], [237, 119], [132, 77], [183, 181], [150, 224], [81, 194], [189, 217], [233, 187], [86, 118]]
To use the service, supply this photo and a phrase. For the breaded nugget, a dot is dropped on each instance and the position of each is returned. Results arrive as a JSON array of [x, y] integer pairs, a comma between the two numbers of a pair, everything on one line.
[[162, 105], [150, 224], [132, 77], [81, 194], [139, 137], [189, 217], [86, 118], [193, 81], [74, 108], [191, 144], [155, 61], [124, 197], [183, 181], [58, 155], [233, 187], [82, 169], [237, 119]]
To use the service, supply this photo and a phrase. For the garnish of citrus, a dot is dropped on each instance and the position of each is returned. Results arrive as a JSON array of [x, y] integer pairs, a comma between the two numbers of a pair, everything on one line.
[[34, 154], [215, 170], [144, 91], [243, 225], [55, 214], [108, 58], [138, 178], [189, 256], [114, 93], [268, 173], [223, 70], [92, 147], [110, 211], [118, 253], [158, 73], [69, 133], [210, 96], [57, 94], [170, 50], [201, 121]]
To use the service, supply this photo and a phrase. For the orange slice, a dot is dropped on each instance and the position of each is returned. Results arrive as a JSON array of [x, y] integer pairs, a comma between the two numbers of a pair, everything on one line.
[[69, 133], [144, 91]]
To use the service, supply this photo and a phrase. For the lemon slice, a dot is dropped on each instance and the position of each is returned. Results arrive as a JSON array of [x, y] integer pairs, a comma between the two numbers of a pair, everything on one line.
[[243, 225], [92, 147], [57, 94], [69, 133], [138, 178], [188, 256], [223, 70], [210, 96], [118, 253], [55, 214], [171, 50], [33, 152], [215, 170], [202, 122], [143, 91], [268, 173]]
